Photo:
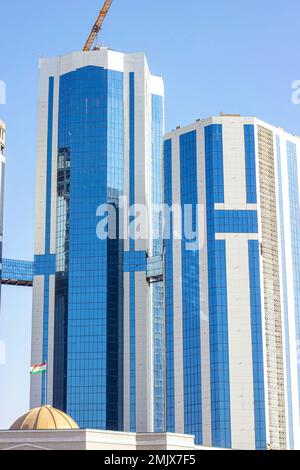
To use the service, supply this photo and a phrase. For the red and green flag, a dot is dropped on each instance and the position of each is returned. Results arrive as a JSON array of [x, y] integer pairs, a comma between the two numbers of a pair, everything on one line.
[[38, 368]]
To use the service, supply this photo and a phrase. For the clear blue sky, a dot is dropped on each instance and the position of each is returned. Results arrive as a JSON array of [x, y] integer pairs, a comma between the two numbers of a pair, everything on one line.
[[231, 56]]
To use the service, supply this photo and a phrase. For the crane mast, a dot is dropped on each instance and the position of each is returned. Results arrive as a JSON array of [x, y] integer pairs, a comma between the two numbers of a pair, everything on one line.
[[97, 26]]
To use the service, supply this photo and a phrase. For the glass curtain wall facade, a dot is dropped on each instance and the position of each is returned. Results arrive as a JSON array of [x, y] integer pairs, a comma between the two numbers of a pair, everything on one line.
[[94, 148], [225, 336], [156, 255]]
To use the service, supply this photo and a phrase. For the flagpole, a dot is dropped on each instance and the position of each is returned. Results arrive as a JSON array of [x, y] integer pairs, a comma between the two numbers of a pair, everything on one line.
[[46, 381], [42, 369], [46, 384]]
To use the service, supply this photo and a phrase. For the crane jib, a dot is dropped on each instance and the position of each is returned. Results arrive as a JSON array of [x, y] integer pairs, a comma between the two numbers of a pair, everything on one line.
[[97, 26]]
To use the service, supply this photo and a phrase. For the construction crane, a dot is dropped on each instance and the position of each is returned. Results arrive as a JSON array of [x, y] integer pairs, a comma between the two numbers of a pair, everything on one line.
[[98, 25]]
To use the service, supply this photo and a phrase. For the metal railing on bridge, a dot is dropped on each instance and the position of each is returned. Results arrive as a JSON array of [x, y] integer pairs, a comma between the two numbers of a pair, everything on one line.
[[17, 272]]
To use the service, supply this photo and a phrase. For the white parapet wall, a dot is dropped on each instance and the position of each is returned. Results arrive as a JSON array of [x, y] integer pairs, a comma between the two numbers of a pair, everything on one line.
[[84, 439]]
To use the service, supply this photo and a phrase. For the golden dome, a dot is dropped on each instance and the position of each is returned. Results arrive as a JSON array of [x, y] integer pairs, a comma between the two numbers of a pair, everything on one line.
[[42, 419]]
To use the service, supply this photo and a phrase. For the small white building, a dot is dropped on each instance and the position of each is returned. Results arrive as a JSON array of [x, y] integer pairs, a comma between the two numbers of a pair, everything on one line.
[[47, 428]]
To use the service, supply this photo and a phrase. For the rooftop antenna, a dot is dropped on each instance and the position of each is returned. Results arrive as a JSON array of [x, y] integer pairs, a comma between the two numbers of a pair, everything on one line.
[[97, 26]]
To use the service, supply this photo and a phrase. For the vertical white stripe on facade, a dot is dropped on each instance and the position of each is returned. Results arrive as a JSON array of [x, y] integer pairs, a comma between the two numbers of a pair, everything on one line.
[[41, 164], [290, 292], [126, 158], [126, 337], [234, 165], [177, 293], [240, 343], [52, 228], [142, 137], [124, 228], [37, 339], [204, 295], [54, 165], [50, 364], [143, 355]]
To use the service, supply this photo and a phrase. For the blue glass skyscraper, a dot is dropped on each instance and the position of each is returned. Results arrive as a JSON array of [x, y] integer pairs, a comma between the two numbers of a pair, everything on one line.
[[231, 297], [97, 312]]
